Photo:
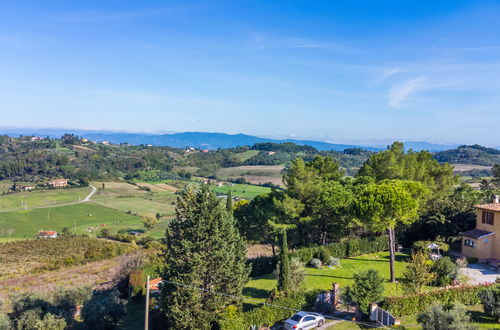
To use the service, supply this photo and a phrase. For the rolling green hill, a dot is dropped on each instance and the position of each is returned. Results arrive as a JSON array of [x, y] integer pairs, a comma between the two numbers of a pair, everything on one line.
[[26, 224], [473, 154]]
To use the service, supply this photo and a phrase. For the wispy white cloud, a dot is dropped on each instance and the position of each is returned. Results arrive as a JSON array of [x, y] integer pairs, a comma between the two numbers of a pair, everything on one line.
[[400, 93]]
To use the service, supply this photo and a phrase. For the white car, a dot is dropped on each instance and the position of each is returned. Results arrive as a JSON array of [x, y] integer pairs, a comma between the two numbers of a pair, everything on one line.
[[304, 320]]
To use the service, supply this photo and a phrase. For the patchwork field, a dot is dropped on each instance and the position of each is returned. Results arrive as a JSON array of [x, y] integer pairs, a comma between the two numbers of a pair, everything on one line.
[[26, 224], [37, 198], [469, 167], [253, 174], [246, 155], [242, 190]]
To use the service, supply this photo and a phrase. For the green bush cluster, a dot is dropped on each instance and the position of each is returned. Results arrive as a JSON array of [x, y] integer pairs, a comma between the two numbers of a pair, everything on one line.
[[262, 265], [268, 315], [345, 249], [417, 303]]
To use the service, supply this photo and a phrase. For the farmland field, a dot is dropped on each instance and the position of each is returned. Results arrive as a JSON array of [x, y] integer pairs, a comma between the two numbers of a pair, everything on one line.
[[254, 174], [48, 254], [242, 156], [469, 167], [38, 198], [26, 224], [242, 190]]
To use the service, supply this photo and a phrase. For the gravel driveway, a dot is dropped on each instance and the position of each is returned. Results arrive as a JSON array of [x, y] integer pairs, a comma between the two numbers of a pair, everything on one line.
[[481, 273]]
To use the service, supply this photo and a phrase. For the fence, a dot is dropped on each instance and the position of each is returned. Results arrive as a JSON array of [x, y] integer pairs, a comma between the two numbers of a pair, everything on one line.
[[383, 317]]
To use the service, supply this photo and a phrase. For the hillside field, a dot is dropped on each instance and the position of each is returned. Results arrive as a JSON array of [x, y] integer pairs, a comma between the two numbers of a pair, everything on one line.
[[26, 224], [37, 198], [242, 190], [257, 174]]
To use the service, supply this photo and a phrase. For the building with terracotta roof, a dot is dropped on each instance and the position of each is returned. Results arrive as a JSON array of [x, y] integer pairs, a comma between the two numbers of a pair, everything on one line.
[[47, 234], [154, 284], [483, 242], [58, 183]]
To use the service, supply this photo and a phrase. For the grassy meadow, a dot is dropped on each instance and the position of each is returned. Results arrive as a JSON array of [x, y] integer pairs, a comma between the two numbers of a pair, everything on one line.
[[39, 198], [26, 224], [242, 190]]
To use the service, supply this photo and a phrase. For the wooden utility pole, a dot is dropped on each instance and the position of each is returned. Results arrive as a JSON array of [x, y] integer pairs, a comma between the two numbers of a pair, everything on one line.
[[146, 318]]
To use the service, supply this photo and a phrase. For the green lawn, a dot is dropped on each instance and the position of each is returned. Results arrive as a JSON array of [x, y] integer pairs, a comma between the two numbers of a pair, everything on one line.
[[242, 190], [138, 205], [25, 224], [242, 156], [258, 288], [37, 198]]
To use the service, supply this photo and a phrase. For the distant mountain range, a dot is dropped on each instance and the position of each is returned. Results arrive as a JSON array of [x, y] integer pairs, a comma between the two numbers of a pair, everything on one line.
[[203, 140]]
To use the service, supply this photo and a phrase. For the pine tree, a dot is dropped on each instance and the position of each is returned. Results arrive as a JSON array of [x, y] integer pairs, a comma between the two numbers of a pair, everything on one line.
[[284, 265], [204, 254]]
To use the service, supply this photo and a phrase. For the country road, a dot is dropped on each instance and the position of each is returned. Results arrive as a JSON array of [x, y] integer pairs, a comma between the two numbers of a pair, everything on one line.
[[86, 199]]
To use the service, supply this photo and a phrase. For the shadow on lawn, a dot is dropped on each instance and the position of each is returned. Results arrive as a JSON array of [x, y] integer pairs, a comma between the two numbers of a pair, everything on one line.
[[333, 276], [399, 258]]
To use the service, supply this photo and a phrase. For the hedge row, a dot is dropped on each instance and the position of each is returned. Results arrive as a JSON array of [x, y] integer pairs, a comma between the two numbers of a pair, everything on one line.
[[266, 315], [345, 249], [417, 303], [262, 265]]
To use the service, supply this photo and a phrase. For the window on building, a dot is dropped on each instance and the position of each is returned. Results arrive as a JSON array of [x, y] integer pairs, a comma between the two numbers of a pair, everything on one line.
[[488, 217], [469, 242]]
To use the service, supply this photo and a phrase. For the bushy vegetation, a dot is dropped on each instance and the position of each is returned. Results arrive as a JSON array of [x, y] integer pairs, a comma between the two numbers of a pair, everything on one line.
[[472, 154], [268, 315], [417, 303], [490, 298], [31, 256], [345, 249], [439, 317], [368, 288], [55, 310]]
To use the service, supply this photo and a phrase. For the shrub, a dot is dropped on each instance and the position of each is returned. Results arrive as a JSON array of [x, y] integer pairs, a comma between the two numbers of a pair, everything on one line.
[[324, 255], [446, 271], [416, 303], [5, 322], [368, 288], [266, 315], [417, 274], [104, 310], [439, 318], [262, 265], [333, 262], [316, 263], [490, 298], [34, 319]]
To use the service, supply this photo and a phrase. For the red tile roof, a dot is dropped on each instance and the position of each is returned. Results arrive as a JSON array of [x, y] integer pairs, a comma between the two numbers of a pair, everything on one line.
[[153, 284], [47, 233], [489, 207]]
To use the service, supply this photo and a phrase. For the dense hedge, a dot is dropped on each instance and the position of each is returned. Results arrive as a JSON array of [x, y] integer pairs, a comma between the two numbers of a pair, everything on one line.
[[266, 315], [345, 249], [417, 303], [262, 265]]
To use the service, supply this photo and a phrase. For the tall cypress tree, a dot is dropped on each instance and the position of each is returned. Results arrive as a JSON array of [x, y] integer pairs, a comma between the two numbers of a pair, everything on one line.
[[284, 268], [204, 253], [229, 202]]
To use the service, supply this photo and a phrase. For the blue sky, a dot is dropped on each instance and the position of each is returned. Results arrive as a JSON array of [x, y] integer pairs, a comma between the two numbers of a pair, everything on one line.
[[343, 71]]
